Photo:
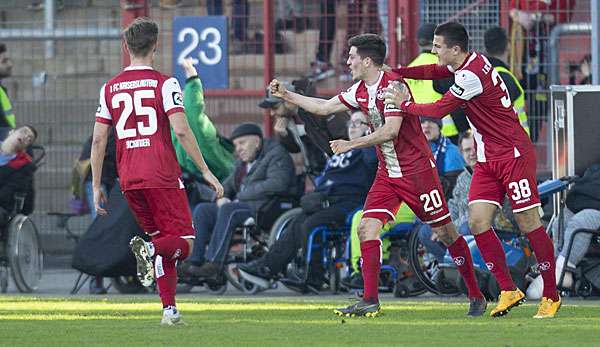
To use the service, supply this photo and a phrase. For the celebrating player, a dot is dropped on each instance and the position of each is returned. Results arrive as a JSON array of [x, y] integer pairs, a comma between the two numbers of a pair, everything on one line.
[[142, 105], [406, 170], [506, 158]]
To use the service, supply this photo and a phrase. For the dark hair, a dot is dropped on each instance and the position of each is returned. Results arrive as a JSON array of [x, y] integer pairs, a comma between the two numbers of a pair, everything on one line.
[[2, 48], [467, 134], [369, 46], [454, 34], [495, 41], [141, 36], [35, 133]]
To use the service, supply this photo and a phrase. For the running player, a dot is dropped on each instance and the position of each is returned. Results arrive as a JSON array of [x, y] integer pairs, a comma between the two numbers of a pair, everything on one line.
[[142, 104]]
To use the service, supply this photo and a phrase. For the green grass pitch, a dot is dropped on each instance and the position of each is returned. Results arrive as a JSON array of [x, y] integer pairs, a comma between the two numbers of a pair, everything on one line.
[[134, 321]]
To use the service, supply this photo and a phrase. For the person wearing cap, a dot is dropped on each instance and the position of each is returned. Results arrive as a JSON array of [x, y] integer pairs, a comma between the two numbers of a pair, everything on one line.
[[217, 153], [426, 91], [302, 132], [263, 169]]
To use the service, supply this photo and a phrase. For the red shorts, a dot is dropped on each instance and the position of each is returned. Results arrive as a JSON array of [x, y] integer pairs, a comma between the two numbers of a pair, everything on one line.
[[513, 177], [422, 192], [162, 211]]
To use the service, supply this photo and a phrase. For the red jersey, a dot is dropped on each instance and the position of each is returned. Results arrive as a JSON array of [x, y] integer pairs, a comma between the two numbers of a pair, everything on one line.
[[137, 103], [408, 153], [477, 85]]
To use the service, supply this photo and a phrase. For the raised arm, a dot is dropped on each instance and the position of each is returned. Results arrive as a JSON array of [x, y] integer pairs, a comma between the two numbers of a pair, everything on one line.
[[315, 106]]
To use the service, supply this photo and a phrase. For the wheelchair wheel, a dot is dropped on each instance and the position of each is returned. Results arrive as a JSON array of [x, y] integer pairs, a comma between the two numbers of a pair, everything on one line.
[[425, 266], [282, 223], [233, 276], [334, 271], [24, 253]]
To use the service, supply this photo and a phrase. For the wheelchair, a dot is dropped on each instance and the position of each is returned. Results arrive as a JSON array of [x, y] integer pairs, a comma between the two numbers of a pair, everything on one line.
[[250, 241], [21, 253]]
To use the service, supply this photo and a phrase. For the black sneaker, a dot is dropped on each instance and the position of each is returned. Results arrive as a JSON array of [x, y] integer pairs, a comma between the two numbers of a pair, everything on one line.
[[359, 309], [257, 273], [477, 307]]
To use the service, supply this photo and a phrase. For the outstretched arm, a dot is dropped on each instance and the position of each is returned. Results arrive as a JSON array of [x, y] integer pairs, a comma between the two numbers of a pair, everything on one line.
[[316, 106], [424, 72]]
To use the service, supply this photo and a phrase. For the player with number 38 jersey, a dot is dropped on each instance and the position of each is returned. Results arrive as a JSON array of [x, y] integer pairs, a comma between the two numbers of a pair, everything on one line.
[[138, 102], [506, 164]]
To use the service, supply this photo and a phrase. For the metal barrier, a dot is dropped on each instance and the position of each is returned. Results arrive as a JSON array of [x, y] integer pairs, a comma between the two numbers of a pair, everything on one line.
[[61, 60]]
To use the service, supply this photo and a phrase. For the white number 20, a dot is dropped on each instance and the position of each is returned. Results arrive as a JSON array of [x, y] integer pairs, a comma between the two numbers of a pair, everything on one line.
[[520, 189], [431, 201], [135, 103]]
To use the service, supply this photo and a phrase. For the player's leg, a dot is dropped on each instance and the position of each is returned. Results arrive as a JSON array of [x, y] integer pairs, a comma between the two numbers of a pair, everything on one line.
[[173, 217], [486, 195], [424, 195], [522, 191], [142, 250], [381, 205]]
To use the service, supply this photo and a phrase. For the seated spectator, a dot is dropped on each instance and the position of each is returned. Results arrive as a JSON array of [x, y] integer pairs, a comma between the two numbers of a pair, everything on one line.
[[264, 169], [16, 171], [448, 159], [217, 152], [109, 179], [582, 212], [341, 188]]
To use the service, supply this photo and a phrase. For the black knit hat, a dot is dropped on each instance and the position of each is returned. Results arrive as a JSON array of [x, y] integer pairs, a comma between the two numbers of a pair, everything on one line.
[[246, 129], [425, 34]]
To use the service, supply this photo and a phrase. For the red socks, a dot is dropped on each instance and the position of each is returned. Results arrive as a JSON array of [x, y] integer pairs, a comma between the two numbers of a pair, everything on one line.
[[493, 253], [171, 247], [544, 253], [371, 265], [461, 255], [166, 279]]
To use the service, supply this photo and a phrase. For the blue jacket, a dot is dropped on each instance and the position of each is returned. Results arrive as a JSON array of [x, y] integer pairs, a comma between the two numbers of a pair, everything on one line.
[[349, 174], [447, 156]]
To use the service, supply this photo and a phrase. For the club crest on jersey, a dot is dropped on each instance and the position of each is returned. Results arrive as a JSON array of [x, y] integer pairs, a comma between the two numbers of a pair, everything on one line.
[[177, 99], [381, 94], [456, 89]]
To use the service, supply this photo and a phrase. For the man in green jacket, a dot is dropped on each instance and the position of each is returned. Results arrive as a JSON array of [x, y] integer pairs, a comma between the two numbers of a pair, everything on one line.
[[7, 118], [217, 152]]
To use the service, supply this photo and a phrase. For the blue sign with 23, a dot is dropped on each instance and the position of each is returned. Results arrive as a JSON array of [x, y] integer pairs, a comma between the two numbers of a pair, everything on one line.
[[204, 39]]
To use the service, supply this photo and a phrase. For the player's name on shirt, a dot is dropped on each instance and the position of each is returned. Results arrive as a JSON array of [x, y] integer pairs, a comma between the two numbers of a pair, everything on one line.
[[145, 83], [138, 143]]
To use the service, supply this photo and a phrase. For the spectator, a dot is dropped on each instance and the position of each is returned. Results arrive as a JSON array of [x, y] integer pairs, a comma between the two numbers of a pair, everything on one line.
[[585, 69], [496, 44], [264, 169], [16, 171], [582, 212], [295, 127], [341, 187], [217, 151], [425, 91], [448, 160], [322, 68], [7, 117], [109, 179]]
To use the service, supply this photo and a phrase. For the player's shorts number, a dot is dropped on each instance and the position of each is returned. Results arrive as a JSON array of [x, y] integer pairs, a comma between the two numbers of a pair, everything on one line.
[[130, 104], [431, 200], [214, 38], [520, 189]]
